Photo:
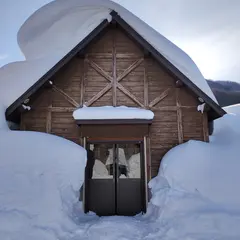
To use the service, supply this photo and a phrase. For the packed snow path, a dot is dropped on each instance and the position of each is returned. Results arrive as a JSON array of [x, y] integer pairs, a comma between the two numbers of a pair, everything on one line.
[[184, 216]]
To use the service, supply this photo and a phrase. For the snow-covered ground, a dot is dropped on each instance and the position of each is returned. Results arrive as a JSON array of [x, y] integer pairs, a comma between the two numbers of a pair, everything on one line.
[[235, 109], [195, 195]]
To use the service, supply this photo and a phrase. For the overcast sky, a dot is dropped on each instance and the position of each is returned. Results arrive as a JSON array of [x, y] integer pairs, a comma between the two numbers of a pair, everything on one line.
[[208, 30]]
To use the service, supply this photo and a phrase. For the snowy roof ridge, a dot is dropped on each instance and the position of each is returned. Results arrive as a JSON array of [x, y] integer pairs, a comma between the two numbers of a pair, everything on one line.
[[45, 42]]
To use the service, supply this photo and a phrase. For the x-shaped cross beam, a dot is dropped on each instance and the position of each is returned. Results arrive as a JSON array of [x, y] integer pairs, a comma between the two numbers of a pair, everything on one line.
[[111, 80]]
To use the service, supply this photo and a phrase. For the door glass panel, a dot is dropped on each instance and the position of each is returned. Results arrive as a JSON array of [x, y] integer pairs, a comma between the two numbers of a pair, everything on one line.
[[129, 161], [100, 155]]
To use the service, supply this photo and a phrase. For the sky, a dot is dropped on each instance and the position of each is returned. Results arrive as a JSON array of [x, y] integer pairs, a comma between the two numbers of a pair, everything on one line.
[[208, 30]]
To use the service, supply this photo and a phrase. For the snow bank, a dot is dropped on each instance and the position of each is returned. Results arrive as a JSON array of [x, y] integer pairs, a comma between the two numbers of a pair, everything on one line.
[[109, 112], [212, 169], [235, 109], [40, 178], [196, 194]]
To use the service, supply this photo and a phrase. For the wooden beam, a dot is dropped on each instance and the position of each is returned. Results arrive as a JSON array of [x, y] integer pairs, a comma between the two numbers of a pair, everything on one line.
[[71, 109], [22, 122], [130, 95], [114, 71], [98, 69], [149, 160], [83, 80], [205, 128], [49, 113], [66, 96], [166, 108], [109, 55], [172, 108], [114, 121], [145, 86], [49, 121], [57, 109], [130, 69], [159, 98], [97, 55], [179, 117], [100, 94]]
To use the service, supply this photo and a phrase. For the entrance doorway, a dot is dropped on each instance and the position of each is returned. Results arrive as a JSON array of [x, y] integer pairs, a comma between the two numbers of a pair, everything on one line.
[[115, 178]]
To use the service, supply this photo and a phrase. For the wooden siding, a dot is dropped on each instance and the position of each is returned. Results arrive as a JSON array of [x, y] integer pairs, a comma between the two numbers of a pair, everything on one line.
[[115, 71]]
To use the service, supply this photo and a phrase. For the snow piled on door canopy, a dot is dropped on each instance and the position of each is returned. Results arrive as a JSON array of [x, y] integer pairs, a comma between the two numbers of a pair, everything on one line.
[[52, 31], [109, 112]]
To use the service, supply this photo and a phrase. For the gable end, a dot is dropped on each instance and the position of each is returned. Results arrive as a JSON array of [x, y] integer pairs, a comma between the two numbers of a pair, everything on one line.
[[215, 110]]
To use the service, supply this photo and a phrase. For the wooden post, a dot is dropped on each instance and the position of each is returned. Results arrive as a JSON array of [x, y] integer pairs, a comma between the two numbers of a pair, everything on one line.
[[179, 117], [149, 162], [83, 82], [49, 115], [145, 86], [22, 123], [205, 127], [49, 121], [114, 70]]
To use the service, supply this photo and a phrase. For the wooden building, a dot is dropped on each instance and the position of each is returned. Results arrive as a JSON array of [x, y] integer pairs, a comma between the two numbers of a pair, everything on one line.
[[115, 66]]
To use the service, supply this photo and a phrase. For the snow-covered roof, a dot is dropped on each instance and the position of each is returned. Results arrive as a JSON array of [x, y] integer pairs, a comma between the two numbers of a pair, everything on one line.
[[55, 29], [109, 112]]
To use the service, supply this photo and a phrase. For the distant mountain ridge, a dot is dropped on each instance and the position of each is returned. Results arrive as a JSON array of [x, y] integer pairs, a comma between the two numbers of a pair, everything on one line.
[[226, 92]]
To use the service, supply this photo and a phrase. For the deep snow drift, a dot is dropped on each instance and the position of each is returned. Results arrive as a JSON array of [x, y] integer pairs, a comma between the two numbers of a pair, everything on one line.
[[195, 195], [40, 178]]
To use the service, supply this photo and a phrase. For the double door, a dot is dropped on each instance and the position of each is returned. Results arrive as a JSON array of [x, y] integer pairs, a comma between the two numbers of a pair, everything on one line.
[[114, 178]]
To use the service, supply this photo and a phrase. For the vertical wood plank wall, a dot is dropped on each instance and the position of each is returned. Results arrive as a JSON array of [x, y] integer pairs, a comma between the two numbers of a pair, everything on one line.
[[115, 71]]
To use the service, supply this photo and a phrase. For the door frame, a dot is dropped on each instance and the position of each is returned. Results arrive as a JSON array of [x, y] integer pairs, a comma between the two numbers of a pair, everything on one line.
[[143, 160]]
